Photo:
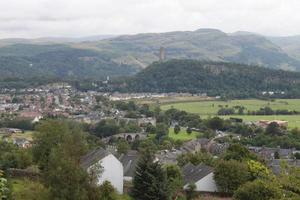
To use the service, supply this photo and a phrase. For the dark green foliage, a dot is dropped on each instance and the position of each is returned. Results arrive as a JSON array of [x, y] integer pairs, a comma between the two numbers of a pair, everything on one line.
[[162, 130], [195, 158], [190, 192], [175, 180], [230, 175], [258, 190], [106, 128], [215, 123], [150, 180], [226, 111], [176, 129], [273, 129], [107, 191], [239, 153], [13, 157], [226, 79], [189, 130], [122, 146], [26, 61], [24, 124]]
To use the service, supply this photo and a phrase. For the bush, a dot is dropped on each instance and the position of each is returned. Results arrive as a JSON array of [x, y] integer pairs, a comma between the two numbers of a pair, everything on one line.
[[258, 190]]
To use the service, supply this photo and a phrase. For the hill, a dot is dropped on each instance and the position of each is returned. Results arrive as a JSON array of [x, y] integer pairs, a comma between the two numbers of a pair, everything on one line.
[[290, 44], [99, 56], [58, 61], [203, 44], [214, 78]]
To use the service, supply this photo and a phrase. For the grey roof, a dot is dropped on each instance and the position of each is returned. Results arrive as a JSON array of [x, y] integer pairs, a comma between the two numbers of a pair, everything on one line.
[[93, 157], [129, 162], [275, 164], [192, 173]]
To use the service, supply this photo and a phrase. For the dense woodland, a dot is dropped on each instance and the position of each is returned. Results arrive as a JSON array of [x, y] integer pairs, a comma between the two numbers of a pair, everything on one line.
[[228, 79]]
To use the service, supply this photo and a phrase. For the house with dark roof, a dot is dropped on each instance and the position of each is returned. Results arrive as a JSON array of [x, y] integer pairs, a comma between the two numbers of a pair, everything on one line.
[[201, 175], [195, 145], [129, 162], [111, 167], [275, 164]]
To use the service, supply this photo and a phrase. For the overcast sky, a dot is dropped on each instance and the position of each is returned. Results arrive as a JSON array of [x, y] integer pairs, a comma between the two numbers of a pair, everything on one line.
[[74, 18]]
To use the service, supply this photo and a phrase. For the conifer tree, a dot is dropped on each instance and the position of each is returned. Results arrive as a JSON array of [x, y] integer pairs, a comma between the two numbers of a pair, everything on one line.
[[150, 181]]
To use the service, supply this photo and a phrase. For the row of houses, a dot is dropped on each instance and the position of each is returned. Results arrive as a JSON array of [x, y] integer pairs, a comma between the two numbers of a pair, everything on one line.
[[122, 169]]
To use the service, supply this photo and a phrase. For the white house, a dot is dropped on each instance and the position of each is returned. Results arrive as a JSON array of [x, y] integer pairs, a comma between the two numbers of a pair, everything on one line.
[[201, 175], [112, 168]]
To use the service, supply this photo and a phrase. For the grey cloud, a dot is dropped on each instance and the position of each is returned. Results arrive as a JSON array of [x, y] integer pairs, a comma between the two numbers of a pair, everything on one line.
[[39, 18]]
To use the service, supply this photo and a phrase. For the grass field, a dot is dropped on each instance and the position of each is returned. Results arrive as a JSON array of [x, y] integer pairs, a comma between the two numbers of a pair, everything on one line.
[[182, 135], [210, 108]]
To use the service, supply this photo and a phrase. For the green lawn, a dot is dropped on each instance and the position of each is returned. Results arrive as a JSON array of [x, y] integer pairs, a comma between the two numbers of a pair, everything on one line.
[[210, 108], [182, 135]]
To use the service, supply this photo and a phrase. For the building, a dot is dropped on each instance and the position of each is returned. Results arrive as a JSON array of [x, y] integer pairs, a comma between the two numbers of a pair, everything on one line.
[[112, 168], [129, 162], [195, 145], [22, 142], [201, 175]]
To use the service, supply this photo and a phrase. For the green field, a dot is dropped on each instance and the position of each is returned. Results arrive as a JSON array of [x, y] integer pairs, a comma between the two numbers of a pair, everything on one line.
[[210, 108], [182, 135]]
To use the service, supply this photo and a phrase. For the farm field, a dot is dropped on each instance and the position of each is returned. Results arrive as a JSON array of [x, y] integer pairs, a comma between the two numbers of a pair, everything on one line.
[[182, 135], [210, 108]]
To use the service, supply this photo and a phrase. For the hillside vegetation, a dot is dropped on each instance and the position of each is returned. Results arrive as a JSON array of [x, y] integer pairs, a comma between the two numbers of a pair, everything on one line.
[[214, 78], [98, 57]]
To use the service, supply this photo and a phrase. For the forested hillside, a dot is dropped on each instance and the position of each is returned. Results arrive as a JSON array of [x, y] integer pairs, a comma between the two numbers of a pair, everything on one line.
[[214, 78], [25, 61]]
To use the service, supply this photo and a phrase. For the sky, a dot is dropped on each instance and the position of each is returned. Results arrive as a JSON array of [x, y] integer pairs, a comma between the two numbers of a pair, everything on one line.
[[78, 18]]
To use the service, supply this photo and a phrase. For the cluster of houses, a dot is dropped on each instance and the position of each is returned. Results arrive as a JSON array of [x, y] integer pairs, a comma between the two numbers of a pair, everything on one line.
[[120, 170]]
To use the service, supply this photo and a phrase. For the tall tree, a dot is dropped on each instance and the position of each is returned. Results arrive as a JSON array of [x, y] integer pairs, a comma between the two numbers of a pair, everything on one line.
[[150, 180], [230, 175]]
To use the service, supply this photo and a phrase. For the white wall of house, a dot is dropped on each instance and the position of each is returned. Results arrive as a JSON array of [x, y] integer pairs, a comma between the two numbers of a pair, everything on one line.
[[112, 172], [206, 184]]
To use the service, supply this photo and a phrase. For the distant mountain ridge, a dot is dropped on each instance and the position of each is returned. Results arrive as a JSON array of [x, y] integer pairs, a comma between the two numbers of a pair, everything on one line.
[[100, 56]]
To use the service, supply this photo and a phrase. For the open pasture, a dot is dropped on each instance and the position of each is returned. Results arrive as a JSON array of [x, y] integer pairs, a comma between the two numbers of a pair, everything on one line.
[[210, 108]]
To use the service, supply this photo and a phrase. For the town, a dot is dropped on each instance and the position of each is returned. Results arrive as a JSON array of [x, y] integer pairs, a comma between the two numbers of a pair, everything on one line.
[[121, 129]]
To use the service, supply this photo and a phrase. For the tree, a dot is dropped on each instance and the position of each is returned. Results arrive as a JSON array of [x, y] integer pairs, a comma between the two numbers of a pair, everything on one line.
[[65, 177], [107, 191], [106, 128], [58, 149], [189, 130], [238, 152], [276, 155], [4, 190], [190, 192], [175, 180], [49, 135], [230, 175], [273, 129], [215, 123], [258, 170], [176, 129], [195, 158], [150, 180], [258, 190], [162, 130], [122, 146]]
